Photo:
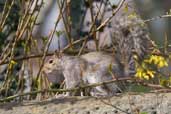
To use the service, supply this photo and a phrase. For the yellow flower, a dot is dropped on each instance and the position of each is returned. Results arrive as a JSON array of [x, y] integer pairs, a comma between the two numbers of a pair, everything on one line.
[[132, 15], [143, 74], [146, 77], [12, 63], [151, 73], [162, 63], [157, 60], [139, 70], [135, 57]]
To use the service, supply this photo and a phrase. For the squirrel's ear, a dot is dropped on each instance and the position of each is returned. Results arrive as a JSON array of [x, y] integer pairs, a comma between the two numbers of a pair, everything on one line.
[[58, 54]]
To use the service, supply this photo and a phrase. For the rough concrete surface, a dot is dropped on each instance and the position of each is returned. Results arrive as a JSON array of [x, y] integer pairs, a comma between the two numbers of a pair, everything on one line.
[[151, 103]]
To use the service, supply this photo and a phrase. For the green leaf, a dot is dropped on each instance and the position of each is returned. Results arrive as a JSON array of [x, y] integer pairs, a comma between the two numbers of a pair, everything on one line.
[[58, 33]]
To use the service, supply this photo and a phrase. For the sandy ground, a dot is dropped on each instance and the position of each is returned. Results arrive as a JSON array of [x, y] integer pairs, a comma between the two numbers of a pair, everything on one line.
[[125, 104]]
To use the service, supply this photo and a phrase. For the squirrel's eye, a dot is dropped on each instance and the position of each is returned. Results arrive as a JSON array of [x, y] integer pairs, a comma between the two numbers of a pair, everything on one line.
[[50, 61]]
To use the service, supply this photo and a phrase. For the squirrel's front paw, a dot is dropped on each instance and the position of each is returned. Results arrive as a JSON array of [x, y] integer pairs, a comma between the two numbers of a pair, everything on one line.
[[61, 96]]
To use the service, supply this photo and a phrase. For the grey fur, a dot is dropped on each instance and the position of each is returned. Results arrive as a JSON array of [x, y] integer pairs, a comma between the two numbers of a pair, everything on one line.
[[90, 68]]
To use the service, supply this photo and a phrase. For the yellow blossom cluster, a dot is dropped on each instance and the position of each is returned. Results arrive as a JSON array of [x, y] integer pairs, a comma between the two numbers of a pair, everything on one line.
[[145, 70], [159, 61], [144, 74]]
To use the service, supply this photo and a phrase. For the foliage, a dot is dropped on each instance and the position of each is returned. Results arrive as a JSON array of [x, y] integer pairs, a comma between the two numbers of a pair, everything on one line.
[[151, 66]]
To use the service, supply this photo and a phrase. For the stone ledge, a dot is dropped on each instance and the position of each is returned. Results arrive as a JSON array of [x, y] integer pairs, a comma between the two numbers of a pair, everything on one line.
[[151, 103]]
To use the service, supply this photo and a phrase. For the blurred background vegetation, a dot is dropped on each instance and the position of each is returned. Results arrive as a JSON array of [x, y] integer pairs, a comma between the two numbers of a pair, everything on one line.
[[148, 9]]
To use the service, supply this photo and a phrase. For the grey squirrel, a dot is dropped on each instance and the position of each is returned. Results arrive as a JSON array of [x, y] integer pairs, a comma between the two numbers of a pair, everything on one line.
[[89, 68], [128, 36]]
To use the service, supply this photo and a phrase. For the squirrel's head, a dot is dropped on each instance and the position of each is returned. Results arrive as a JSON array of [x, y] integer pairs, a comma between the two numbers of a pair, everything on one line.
[[53, 70]]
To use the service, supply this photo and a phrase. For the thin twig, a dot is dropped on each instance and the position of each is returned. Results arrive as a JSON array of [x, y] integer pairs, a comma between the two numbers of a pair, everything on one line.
[[63, 90], [5, 14], [113, 14], [117, 108], [84, 87], [158, 17], [47, 45]]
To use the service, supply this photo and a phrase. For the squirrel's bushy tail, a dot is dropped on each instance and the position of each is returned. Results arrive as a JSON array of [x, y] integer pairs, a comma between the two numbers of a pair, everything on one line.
[[130, 36]]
